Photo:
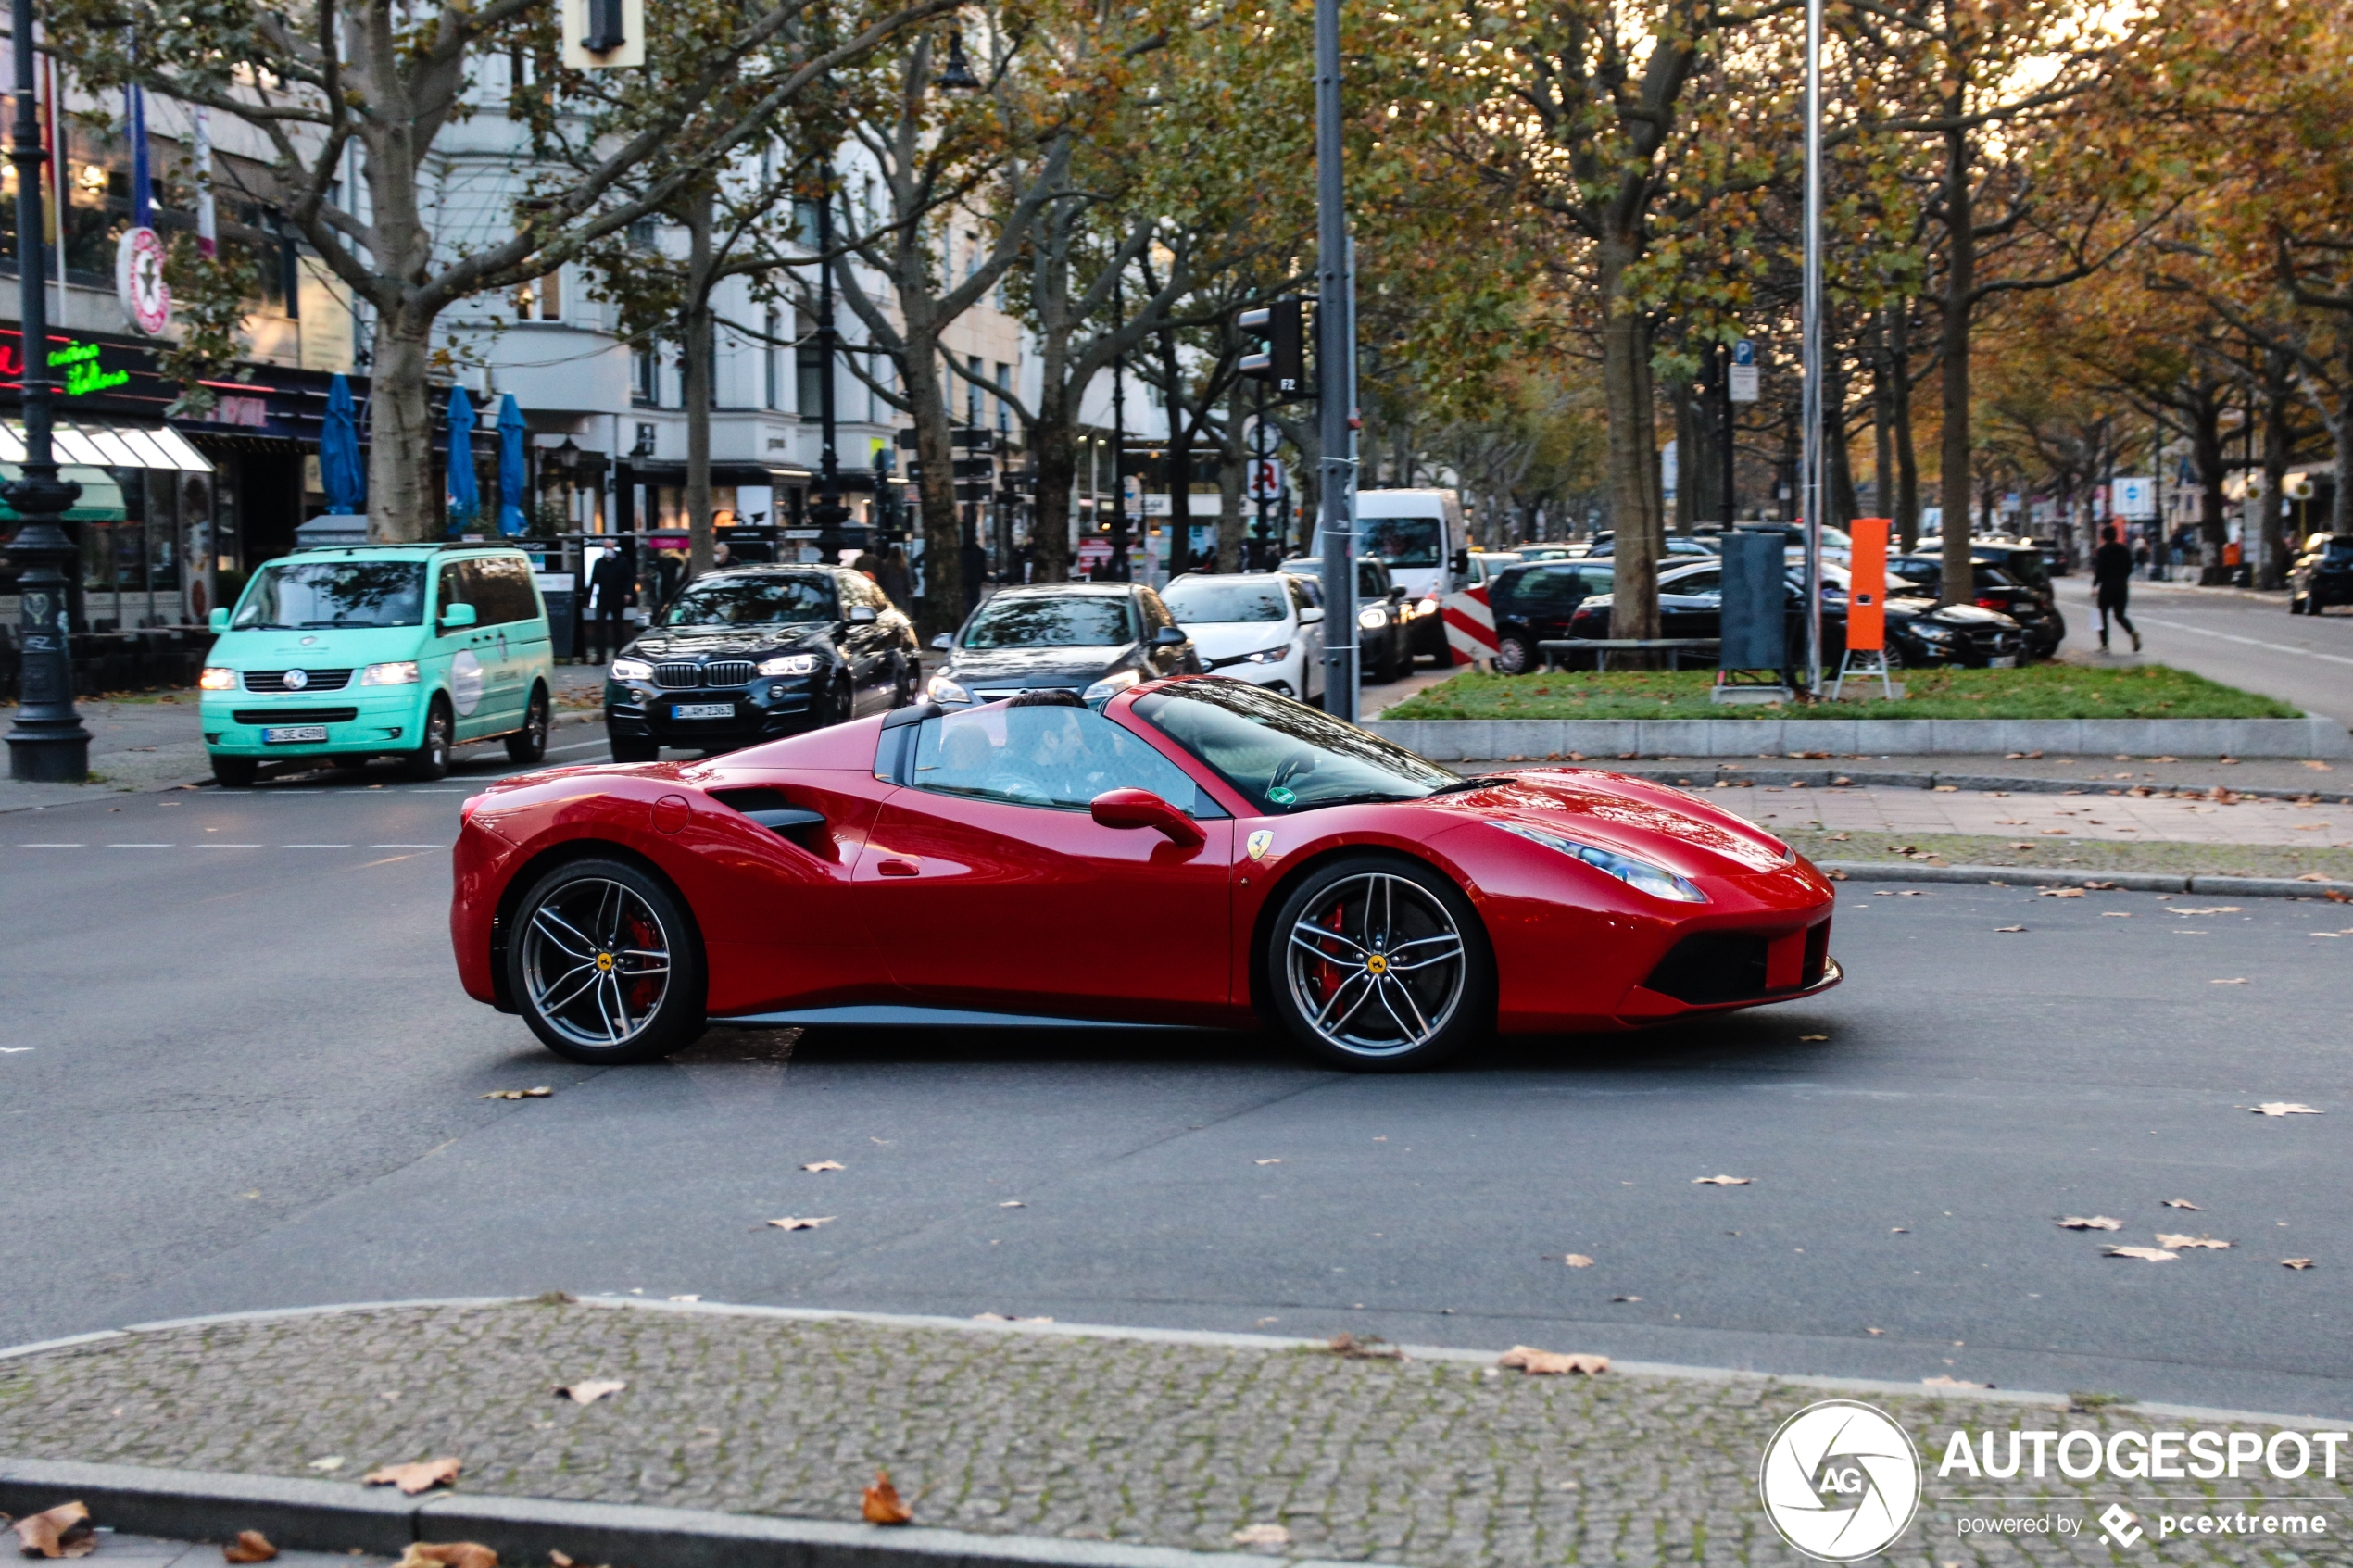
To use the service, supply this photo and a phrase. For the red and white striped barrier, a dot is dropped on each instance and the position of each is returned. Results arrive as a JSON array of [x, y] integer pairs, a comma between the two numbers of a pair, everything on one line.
[[1470, 626]]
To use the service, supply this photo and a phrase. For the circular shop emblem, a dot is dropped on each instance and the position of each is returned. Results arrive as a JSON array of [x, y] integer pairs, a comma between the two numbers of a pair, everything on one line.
[[298, 678], [1839, 1481], [465, 681], [138, 281]]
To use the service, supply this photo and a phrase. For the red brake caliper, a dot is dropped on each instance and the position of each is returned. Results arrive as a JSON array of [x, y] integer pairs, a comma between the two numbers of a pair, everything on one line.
[[1330, 979]]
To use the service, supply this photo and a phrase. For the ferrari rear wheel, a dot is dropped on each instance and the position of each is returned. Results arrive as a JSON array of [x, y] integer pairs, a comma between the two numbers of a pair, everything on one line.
[[1377, 963], [603, 965]]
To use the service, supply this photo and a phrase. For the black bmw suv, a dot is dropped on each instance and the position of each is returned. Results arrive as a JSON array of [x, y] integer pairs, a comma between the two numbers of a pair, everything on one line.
[[754, 653]]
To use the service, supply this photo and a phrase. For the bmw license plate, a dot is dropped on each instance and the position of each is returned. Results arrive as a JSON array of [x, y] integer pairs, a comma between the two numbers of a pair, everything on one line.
[[702, 710], [291, 734], [2002, 661]]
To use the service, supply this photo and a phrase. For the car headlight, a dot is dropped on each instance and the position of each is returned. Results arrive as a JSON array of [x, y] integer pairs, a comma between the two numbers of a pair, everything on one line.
[[216, 679], [1933, 634], [399, 672], [789, 664], [1372, 619], [1269, 655], [1641, 875], [1110, 686], [632, 670], [1429, 605], [941, 689]]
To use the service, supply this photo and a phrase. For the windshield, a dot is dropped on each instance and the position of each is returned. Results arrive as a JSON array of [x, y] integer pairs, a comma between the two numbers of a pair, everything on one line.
[[1400, 541], [1195, 602], [762, 601], [1049, 620], [349, 593], [1283, 755]]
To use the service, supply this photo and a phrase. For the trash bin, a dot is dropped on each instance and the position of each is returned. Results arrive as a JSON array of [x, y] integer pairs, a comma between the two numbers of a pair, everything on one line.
[[561, 592]]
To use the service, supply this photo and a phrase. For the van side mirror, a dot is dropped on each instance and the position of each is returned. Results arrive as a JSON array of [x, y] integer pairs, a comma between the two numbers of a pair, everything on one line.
[[457, 617], [1460, 564], [1310, 615], [217, 621], [861, 614], [943, 640], [1169, 638], [1142, 809]]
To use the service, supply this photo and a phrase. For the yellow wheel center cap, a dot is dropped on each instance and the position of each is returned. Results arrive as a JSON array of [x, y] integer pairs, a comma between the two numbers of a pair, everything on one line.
[[1377, 964], [604, 960]]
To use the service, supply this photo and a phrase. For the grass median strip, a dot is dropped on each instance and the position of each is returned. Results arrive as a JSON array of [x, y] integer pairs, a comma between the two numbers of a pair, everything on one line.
[[2089, 855], [2040, 691]]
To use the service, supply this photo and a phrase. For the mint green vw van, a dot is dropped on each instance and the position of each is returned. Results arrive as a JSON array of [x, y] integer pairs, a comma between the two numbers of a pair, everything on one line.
[[372, 650]]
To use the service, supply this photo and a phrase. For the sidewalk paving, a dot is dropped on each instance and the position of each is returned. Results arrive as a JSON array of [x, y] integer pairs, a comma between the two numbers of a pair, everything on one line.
[[1173, 1440]]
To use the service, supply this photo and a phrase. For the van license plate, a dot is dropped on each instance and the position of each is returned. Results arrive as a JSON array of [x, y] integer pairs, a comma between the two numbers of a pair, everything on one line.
[[290, 734], [2002, 661], [702, 710]]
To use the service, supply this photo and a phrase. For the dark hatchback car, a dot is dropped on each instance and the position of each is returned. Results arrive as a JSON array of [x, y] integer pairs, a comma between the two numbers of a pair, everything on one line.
[[749, 654], [1535, 602], [1997, 587], [1096, 639], [1690, 604], [2323, 575], [1385, 620]]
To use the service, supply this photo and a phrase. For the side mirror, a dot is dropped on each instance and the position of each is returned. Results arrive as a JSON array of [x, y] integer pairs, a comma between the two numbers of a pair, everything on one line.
[[1142, 809], [1460, 564], [943, 640], [217, 621], [1396, 594], [456, 618], [862, 615], [1311, 614], [1169, 638]]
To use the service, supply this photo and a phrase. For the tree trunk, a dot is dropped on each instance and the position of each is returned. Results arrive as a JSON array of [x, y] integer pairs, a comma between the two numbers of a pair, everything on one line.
[[942, 608], [701, 333], [1633, 462], [1882, 423], [402, 508], [1055, 446], [2205, 446], [2278, 387], [1233, 467], [1906, 515], [1958, 584], [2341, 438]]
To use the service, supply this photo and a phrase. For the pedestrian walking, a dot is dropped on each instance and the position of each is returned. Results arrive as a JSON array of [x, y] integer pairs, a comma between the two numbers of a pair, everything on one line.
[[896, 582], [2112, 579], [612, 588]]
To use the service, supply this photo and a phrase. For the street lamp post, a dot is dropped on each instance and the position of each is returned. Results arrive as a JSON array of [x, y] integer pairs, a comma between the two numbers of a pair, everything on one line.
[[828, 514], [1336, 377], [1810, 488], [47, 744]]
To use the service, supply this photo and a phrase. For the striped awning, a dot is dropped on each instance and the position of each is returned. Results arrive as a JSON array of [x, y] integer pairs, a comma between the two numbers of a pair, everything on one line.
[[109, 443]]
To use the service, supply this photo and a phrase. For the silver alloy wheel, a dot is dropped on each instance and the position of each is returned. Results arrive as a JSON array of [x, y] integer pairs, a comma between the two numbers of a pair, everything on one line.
[[596, 962], [1376, 965]]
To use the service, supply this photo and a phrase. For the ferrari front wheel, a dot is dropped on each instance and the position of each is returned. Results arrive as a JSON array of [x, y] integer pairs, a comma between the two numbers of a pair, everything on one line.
[[1377, 963], [603, 965]]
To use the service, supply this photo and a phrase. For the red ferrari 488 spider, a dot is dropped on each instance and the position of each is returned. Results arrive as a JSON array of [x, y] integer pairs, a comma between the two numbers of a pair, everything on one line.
[[1196, 852]]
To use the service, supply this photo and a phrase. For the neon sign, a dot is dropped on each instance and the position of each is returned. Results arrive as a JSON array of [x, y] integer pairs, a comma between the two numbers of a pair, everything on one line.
[[78, 360]]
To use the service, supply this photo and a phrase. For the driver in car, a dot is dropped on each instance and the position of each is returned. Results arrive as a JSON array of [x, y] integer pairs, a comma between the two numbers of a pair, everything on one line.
[[1048, 755]]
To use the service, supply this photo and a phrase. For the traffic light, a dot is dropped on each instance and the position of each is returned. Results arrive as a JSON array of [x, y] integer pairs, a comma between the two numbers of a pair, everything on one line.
[[1281, 327]]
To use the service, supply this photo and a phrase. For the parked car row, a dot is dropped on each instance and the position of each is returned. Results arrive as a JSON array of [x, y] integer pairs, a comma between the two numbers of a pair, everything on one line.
[[2323, 575]]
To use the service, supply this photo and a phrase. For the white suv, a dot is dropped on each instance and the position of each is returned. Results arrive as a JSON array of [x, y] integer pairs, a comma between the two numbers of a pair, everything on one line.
[[1260, 627]]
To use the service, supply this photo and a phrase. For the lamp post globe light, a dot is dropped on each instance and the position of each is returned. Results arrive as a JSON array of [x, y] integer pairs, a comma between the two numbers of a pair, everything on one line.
[[47, 744]]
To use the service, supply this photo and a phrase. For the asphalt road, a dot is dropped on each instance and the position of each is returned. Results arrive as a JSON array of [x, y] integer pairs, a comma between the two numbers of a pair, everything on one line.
[[239, 1075], [2254, 645]]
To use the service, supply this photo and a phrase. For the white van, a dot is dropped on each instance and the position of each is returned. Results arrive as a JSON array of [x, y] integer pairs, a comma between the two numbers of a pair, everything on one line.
[[1418, 533]]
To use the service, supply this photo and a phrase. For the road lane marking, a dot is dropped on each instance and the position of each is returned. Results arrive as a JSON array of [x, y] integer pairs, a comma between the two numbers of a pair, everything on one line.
[[143, 847], [2250, 641], [53, 847], [409, 847], [209, 845], [314, 847]]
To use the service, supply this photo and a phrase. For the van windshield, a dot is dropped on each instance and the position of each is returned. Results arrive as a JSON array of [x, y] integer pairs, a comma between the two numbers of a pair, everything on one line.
[[1400, 541], [290, 596]]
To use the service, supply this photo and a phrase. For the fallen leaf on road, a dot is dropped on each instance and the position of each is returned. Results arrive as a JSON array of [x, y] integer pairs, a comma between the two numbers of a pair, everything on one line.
[[1261, 1535], [2103, 887], [2241, 981], [2115, 914], [1577, 1261], [825, 1165], [414, 1478], [1348, 1348], [2210, 909], [881, 1504], [790, 1224], [332, 1463], [1266, 1163], [2058, 892], [2284, 1107], [2317, 767], [1946, 1382], [2184, 1243], [1624, 1298], [448, 1554], [2146, 1254], [2181, 1203], [685, 1297], [2296, 1262], [519, 1094], [2009, 821], [1813, 1036], [2001, 929], [590, 1391], [62, 1531], [2096, 1223], [1875, 1332], [1005, 1317], [560, 1560], [2054, 830], [1543, 1363], [251, 1545], [1012, 1203], [1722, 1181]]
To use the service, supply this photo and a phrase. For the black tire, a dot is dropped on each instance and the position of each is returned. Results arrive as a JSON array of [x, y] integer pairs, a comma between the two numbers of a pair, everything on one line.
[[530, 743], [2297, 606], [632, 751], [235, 773], [430, 759], [1514, 656], [1421, 1022], [605, 966]]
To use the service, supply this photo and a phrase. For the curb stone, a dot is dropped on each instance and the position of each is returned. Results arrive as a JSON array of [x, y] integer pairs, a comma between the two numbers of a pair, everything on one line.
[[1865, 778], [2126, 882]]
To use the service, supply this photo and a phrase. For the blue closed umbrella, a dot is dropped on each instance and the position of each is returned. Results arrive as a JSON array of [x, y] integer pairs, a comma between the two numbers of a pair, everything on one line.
[[339, 471], [465, 500], [511, 466]]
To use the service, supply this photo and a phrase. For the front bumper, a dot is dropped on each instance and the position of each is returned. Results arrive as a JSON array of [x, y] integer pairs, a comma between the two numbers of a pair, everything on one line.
[[361, 719], [767, 708]]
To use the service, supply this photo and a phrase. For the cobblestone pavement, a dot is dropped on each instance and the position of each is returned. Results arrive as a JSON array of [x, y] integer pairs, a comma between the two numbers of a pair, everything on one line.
[[1444, 1463], [1999, 813]]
